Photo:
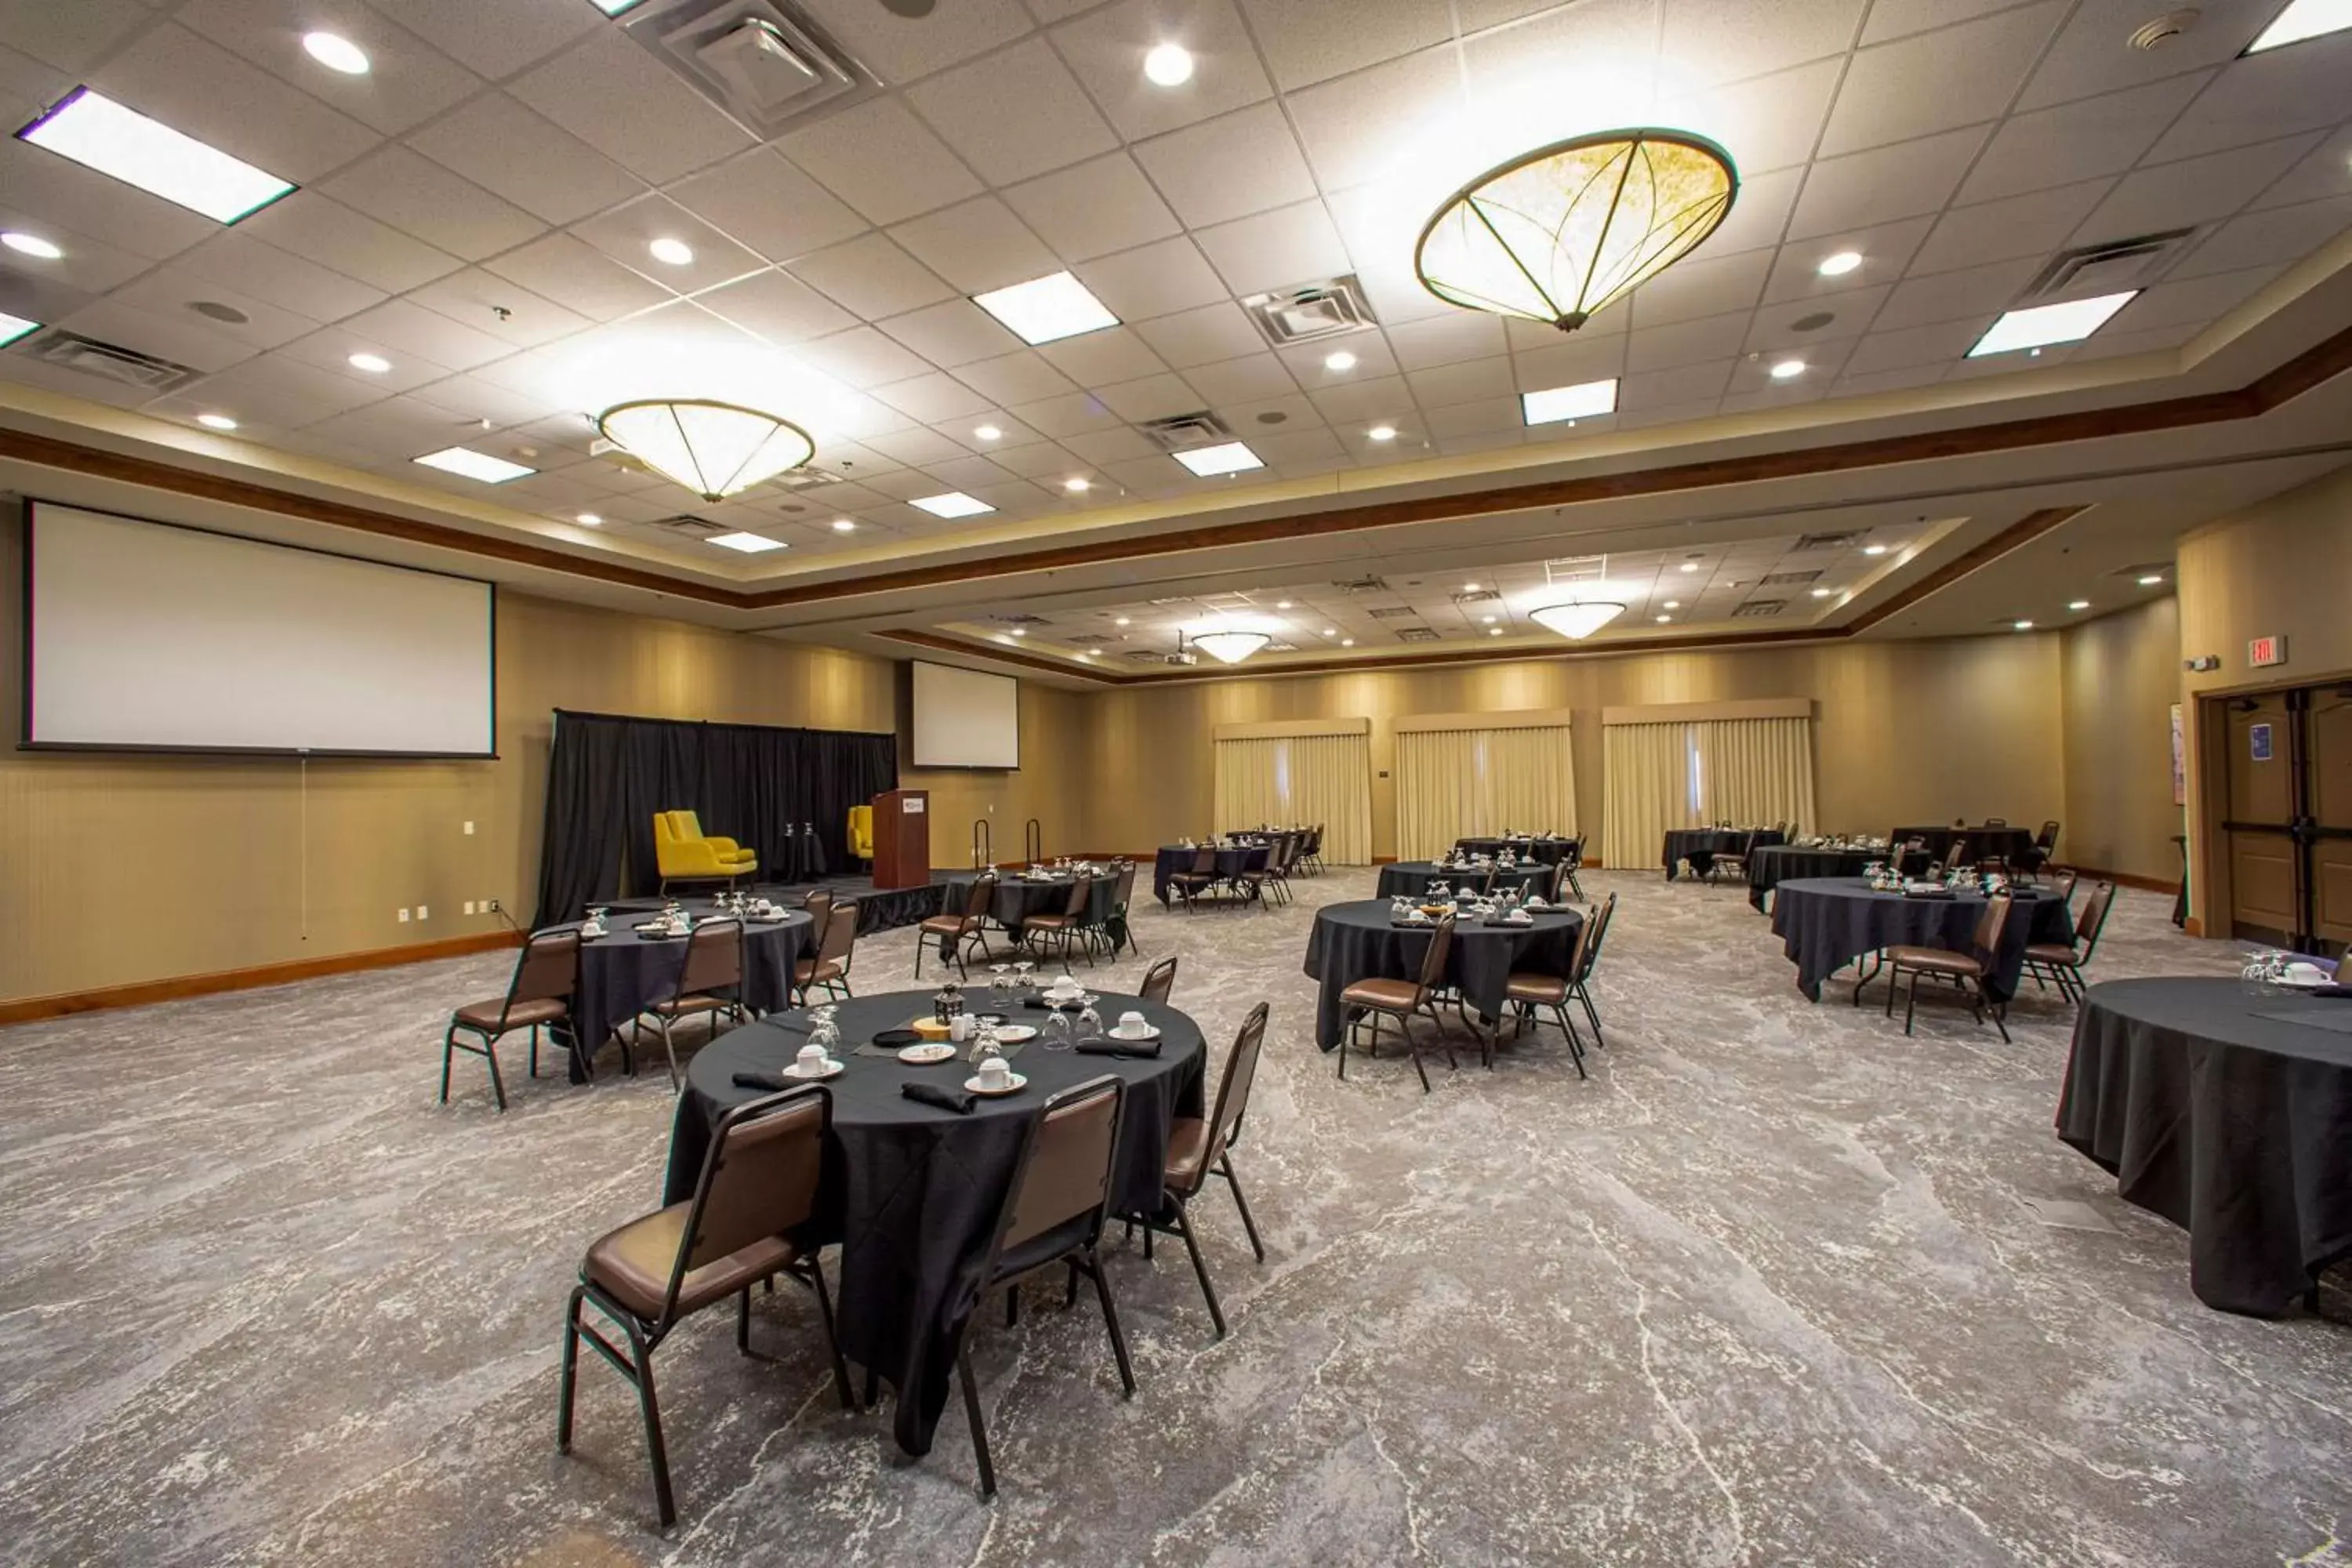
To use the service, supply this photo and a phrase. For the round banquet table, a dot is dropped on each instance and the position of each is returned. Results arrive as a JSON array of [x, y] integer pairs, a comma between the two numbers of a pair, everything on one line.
[[623, 970], [2229, 1112], [1550, 850], [1021, 898], [1700, 846], [1412, 878], [912, 1193], [2010, 843], [1358, 941], [1777, 863], [1827, 922], [1232, 860]]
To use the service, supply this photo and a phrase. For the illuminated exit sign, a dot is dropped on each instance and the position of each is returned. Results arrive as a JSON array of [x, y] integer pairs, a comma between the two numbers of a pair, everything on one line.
[[2264, 652]]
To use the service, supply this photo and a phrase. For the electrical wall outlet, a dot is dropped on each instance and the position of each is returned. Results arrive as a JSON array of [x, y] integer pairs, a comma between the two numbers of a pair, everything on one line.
[[469, 829], [469, 906], [423, 913], [403, 916]]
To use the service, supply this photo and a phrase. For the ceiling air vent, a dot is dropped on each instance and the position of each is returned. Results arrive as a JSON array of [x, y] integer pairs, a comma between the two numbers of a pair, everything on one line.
[[1180, 431], [1755, 608], [1179, 599], [1392, 612], [1361, 584], [1477, 596], [1846, 541], [1311, 310], [2107, 268], [1576, 569], [1092, 640], [1416, 633], [109, 362], [1018, 618], [806, 479], [1280, 646], [766, 64], [686, 522], [1785, 579]]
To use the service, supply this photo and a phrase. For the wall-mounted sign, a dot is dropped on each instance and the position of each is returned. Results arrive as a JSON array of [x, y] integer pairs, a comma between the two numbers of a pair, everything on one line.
[[2264, 652], [2259, 737]]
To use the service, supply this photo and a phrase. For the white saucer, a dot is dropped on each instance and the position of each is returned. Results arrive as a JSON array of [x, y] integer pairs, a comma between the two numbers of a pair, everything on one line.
[[832, 1069], [1013, 1034], [1014, 1084], [2300, 983], [1121, 1036], [923, 1056]]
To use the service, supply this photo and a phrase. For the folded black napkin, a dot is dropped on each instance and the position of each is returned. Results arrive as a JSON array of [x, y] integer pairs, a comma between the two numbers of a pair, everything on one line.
[[2338, 989], [762, 1080], [1039, 1004], [1106, 1046], [961, 1102]]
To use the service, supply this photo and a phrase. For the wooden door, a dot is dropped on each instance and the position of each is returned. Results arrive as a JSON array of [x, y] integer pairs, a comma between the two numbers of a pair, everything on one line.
[[2328, 777], [2260, 819]]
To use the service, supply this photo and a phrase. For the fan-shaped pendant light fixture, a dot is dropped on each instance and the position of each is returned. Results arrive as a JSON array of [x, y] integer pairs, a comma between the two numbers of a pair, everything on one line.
[[1575, 616], [1558, 235], [714, 449], [1229, 644]]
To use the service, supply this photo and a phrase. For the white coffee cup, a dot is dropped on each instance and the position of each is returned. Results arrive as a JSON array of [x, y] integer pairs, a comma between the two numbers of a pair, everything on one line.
[[994, 1070], [2307, 972], [1064, 985], [812, 1059], [1132, 1023]]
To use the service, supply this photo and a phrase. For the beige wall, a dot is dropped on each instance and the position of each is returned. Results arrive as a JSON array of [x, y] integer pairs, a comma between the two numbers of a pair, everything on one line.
[[1048, 786], [1915, 732], [2122, 678]]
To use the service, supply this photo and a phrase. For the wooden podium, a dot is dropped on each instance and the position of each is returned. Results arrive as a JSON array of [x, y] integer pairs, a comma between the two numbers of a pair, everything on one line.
[[902, 839]]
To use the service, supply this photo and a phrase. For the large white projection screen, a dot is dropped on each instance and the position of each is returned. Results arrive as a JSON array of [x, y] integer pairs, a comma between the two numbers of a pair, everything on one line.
[[145, 636], [966, 720]]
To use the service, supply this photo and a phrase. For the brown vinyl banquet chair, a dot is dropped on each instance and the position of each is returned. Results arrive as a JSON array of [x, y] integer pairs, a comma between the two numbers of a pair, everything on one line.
[[1158, 981], [1189, 885], [1967, 971], [1526, 990], [829, 967], [1061, 930], [756, 1190], [2064, 962], [952, 931], [538, 994], [1198, 1149], [710, 980], [1403, 1000]]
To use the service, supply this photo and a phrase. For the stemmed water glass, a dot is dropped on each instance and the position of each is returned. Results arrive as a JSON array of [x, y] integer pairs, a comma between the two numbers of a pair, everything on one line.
[[1089, 1025], [1022, 972]]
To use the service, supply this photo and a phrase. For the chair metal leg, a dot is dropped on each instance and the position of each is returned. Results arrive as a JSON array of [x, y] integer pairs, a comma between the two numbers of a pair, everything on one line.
[[449, 1050], [1998, 1009], [670, 1050], [534, 1050], [1910, 1001], [1013, 1306], [1110, 1320], [1412, 1047], [490, 1055], [832, 1340], [744, 1321], [642, 1356], [1225, 1169], [1199, 1267], [571, 1369], [978, 1427]]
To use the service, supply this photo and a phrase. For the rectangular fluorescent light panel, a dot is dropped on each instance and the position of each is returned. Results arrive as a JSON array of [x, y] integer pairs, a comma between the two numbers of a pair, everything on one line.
[[749, 543], [1585, 400], [615, 7], [472, 465], [1210, 461], [2068, 321], [99, 133], [13, 327], [1046, 309], [2304, 19], [955, 503]]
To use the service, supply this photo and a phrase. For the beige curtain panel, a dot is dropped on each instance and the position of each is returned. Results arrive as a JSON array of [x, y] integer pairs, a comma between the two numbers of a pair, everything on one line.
[[1648, 790], [1454, 783], [1755, 771], [1302, 780]]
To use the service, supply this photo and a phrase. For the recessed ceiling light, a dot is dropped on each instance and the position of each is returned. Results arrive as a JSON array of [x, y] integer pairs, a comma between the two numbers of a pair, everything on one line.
[[31, 245], [1169, 65], [1020, 631], [589, 520], [1823, 592], [749, 543], [1282, 604], [955, 503], [1381, 433], [2069, 321], [467, 463], [844, 525], [2024, 627], [1232, 458], [1486, 620], [2302, 19], [1690, 566], [1331, 631], [1078, 487], [1839, 263], [336, 53], [1874, 549], [374, 364], [989, 433], [215, 421], [1673, 604], [2078, 604], [2151, 580], [1664, 620], [99, 133], [1046, 309], [1347, 642], [1582, 401], [1121, 621], [1341, 361], [672, 252], [13, 327], [1789, 370]]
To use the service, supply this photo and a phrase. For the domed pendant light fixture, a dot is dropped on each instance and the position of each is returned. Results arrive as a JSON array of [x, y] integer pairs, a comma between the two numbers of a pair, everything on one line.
[[715, 449], [1575, 616], [1561, 232], [1228, 644]]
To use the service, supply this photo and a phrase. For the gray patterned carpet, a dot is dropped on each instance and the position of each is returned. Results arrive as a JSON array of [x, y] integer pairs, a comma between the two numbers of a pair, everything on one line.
[[1765, 1291]]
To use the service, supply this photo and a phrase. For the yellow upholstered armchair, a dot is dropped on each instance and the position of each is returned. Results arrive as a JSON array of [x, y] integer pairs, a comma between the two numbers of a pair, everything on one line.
[[861, 833], [684, 854]]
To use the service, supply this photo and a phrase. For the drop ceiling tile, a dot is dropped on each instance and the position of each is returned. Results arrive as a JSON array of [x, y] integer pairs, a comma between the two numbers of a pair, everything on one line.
[[1367, 126], [579, 278], [201, 91], [1308, 44], [1094, 208], [777, 306], [1448, 338], [170, 289], [1864, 189], [1690, 384], [2035, 224], [977, 246], [2116, 345], [409, 81], [618, 99], [1493, 417], [89, 267], [1686, 342], [1097, 359], [517, 154], [1010, 433], [1384, 397], [1042, 460], [1151, 280], [951, 334], [1956, 76], [862, 357], [1773, 122], [1939, 345], [1974, 293], [871, 276], [2272, 236], [1295, 453], [235, 258], [1567, 362], [2193, 300], [497, 40], [1023, 376], [2265, 96], [1151, 478], [1014, 114], [882, 161], [1248, 378], [1106, 48], [1239, 163], [1072, 414], [2196, 190], [1713, 42], [1887, 252], [507, 311], [1570, 53], [1098, 448], [1251, 420], [1468, 381], [917, 445], [1307, 361], [409, 332], [971, 475], [1759, 218], [932, 399], [174, 335], [2077, 142], [627, 233], [426, 202], [899, 48], [472, 397], [321, 230], [1200, 336], [767, 205], [2325, 171], [1277, 249], [330, 348], [70, 38]]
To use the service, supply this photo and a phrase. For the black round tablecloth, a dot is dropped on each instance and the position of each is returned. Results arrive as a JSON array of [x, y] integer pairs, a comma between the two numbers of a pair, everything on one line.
[[1777, 863], [1412, 878], [1984, 843], [1700, 846], [1827, 922], [2216, 1107], [1543, 851], [912, 1193], [1358, 941], [1232, 860], [622, 970], [1020, 897]]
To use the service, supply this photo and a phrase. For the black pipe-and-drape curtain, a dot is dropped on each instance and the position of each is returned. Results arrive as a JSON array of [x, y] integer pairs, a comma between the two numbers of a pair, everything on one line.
[[756, 784]]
